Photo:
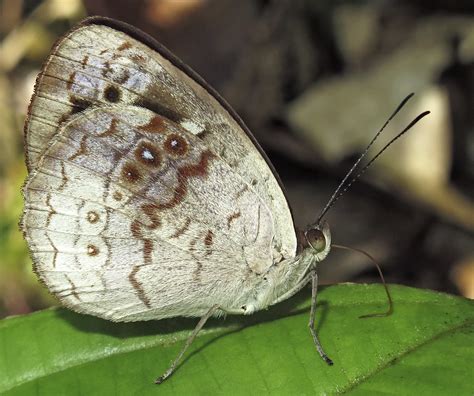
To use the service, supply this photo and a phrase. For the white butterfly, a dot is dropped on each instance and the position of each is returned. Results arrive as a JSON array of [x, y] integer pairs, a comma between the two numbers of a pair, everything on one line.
[[147, 196]]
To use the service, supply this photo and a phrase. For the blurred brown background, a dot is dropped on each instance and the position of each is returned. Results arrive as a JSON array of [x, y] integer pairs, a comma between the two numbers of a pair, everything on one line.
[[313, 80]]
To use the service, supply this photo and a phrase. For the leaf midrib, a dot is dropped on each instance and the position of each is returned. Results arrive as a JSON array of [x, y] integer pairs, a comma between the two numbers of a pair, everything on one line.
[[403, 353]]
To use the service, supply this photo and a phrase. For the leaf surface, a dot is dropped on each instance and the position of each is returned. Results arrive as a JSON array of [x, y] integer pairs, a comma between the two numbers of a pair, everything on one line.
[[425, 347]]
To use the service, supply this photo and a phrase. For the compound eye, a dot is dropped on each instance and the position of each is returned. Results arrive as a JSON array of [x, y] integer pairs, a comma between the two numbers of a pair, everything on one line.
[[316, 239]]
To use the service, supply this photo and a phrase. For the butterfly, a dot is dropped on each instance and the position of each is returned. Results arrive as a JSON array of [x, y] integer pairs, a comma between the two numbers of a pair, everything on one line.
[[147, 196]]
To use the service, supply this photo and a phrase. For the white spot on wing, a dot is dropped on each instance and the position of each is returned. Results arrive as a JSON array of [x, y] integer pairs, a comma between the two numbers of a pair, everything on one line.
[[192, 127], [146, 154]]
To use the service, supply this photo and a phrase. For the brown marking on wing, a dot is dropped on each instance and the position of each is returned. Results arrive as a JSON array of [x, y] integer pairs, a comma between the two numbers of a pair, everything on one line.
[[182, 230], [175, 145], [200, 169], [136, 229], [112, 94], [117, 156], [92, 250], [82, 149], [123, 78], [92, 217], [197, 272], [103, 51], [150, 211], [137, 58], [125, 45], [73, 288], [232, 217], [148, 154], [64, 178], [208, 240], [184, 173], [78, 104], [106, 69], [84, 61], [51, 212], [117, 196], [105, 194], [156, 125], [63, 118], [110, 130], [138, 287], [70, 80], [147, 250], [131, 173]]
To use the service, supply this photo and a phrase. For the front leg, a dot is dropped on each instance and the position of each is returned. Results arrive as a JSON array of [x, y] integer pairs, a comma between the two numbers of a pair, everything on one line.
[[314, 293]]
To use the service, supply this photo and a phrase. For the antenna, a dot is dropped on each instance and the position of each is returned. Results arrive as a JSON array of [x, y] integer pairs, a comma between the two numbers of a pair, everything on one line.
[[362, 171], [342, 187], [389, 297]]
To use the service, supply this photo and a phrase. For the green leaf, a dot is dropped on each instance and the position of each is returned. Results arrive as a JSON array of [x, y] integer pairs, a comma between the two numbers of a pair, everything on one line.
[[426, 348]]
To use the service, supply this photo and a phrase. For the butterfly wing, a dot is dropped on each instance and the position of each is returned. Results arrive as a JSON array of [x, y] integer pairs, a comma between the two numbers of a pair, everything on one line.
[[129, 216], [103, 62], [147, 196]]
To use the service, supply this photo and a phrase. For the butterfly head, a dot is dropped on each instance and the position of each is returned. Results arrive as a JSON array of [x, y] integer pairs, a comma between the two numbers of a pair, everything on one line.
[[317, 238]]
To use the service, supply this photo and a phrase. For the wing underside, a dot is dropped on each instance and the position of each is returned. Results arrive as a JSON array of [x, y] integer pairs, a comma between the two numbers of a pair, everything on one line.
[[101, 127]]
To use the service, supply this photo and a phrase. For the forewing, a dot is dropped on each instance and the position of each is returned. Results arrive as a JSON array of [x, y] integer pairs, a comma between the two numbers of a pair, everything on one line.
[[129, 216], [100, 63]]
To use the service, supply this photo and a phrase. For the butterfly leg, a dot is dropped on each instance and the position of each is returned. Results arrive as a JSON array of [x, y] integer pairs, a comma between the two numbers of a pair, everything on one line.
[[189, 341], [314, 293]]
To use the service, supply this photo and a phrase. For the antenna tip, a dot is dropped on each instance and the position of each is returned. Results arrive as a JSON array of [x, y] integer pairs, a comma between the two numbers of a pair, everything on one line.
[[424, 114]]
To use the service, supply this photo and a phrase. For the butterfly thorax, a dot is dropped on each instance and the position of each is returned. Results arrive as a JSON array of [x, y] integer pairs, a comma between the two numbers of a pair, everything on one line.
[[288, 276]]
